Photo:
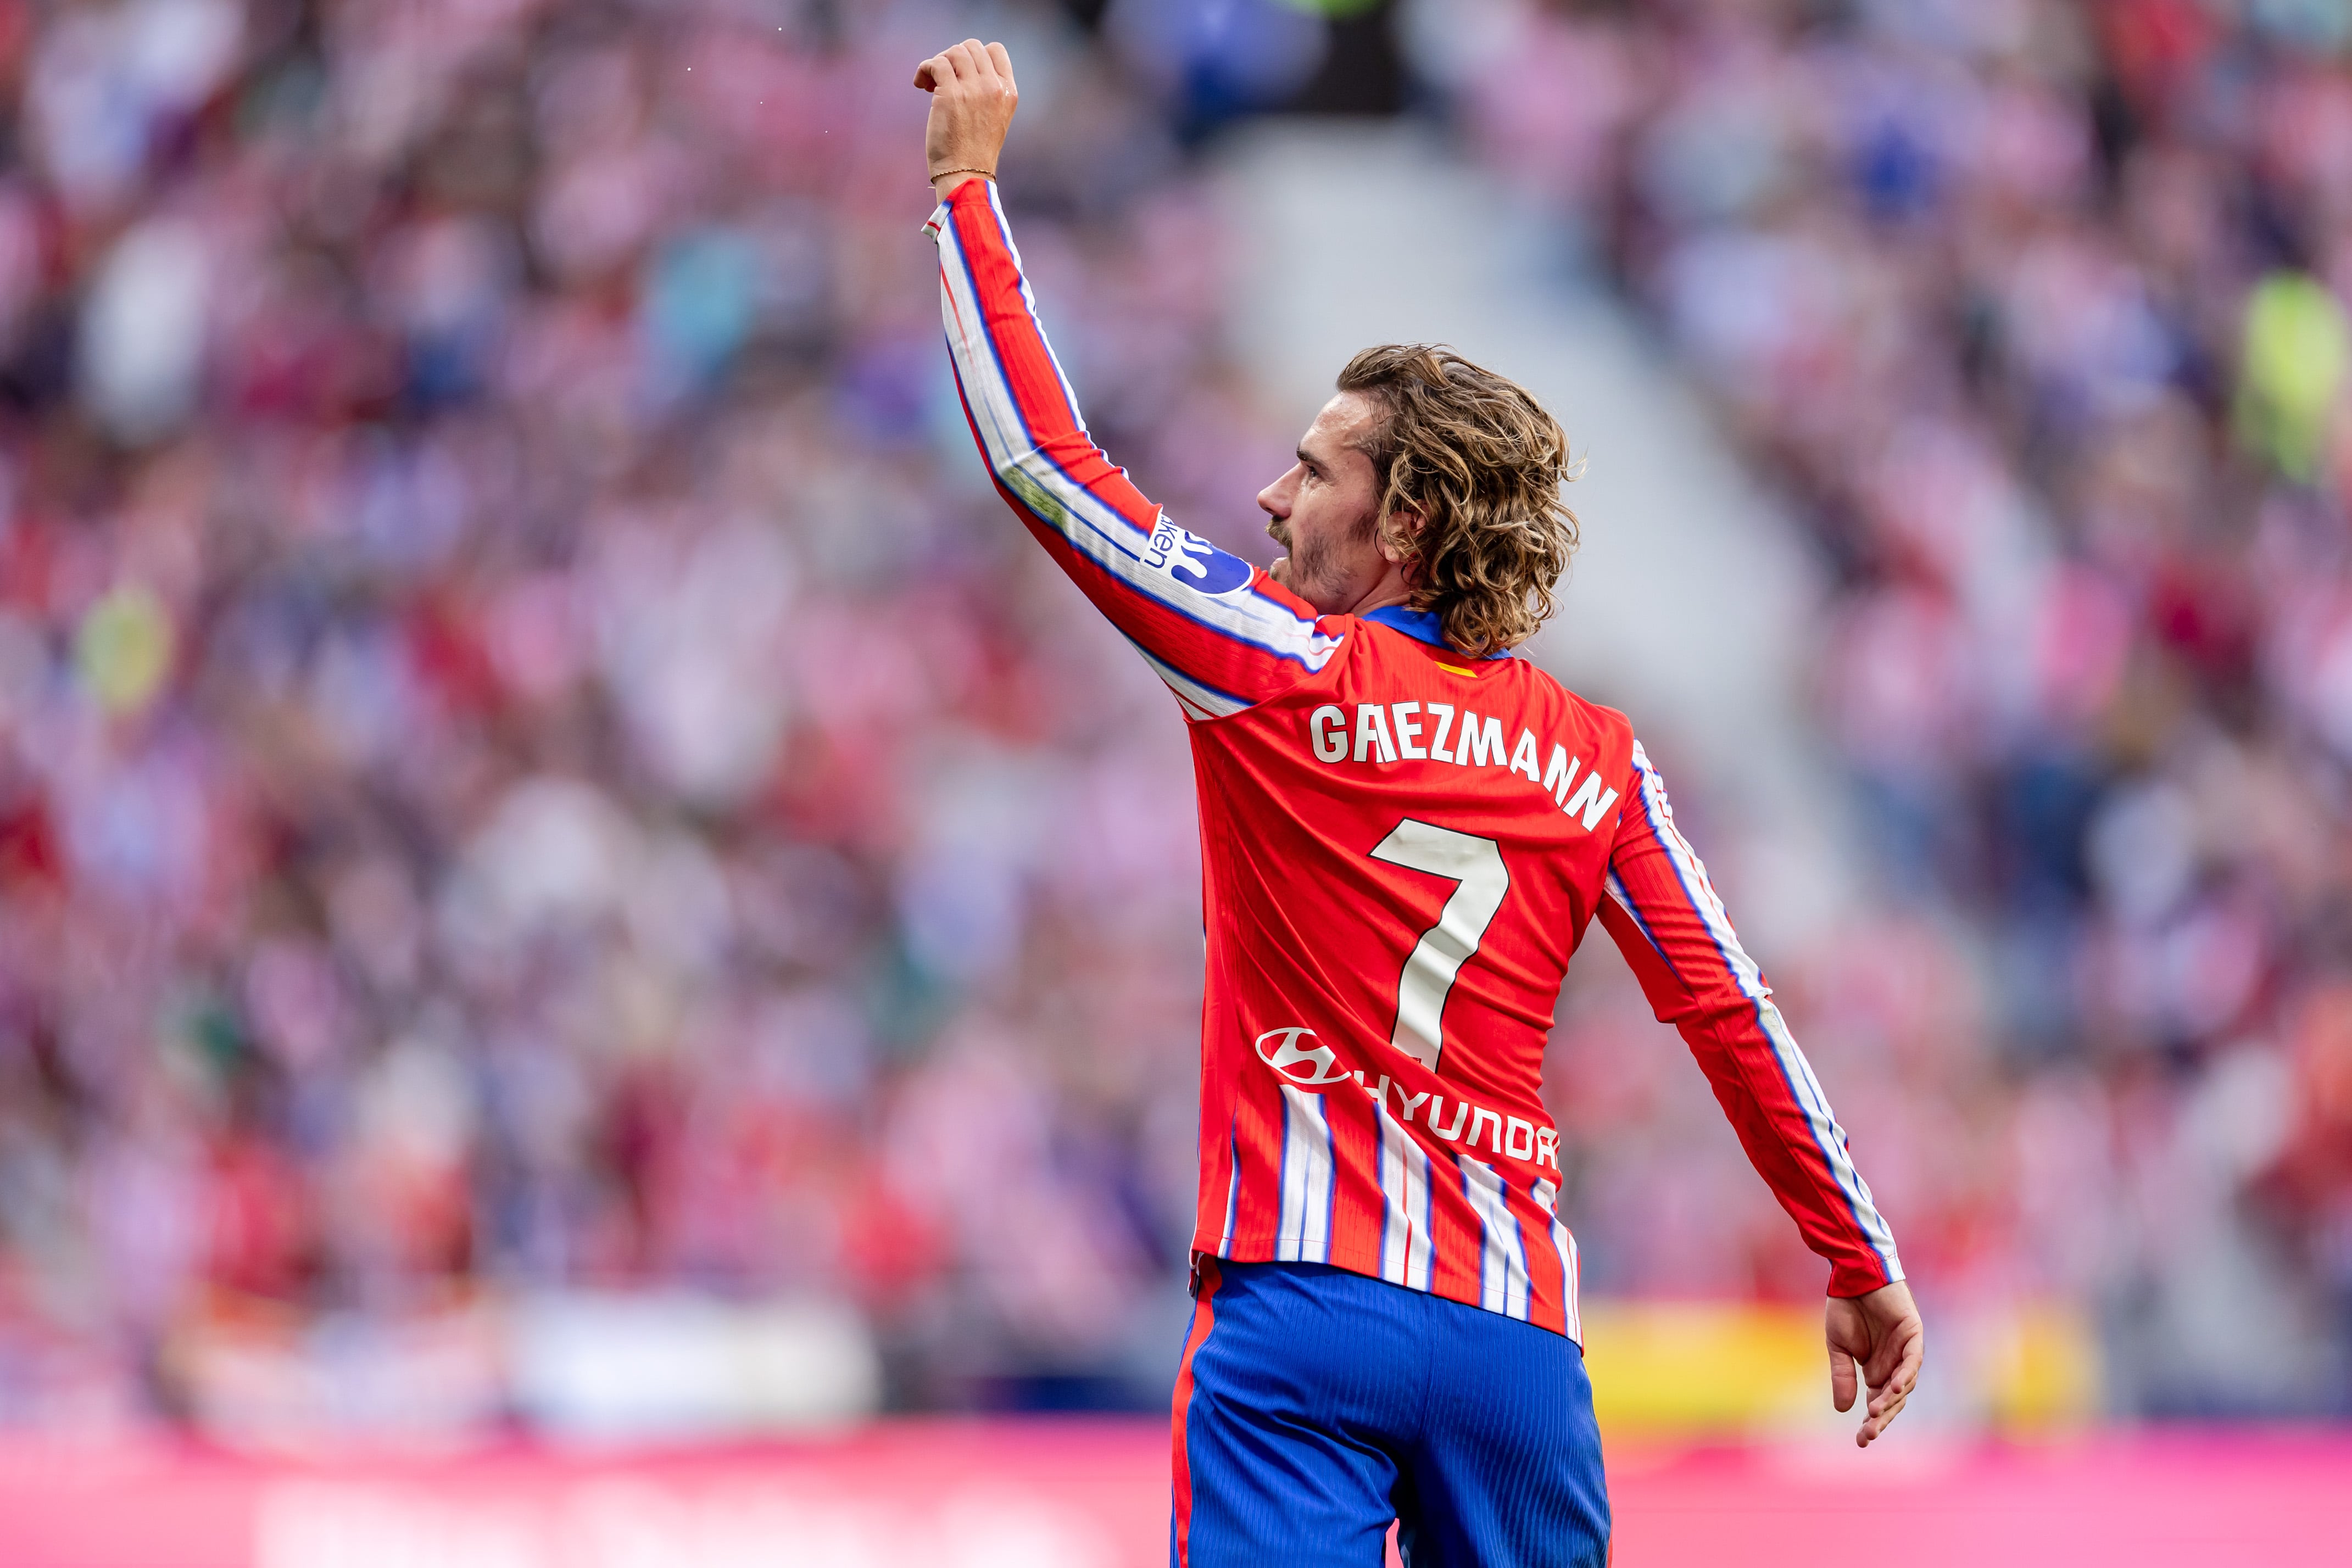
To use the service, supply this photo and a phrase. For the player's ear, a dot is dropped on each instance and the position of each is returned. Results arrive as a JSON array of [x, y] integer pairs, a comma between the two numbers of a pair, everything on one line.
[[1398, 536]]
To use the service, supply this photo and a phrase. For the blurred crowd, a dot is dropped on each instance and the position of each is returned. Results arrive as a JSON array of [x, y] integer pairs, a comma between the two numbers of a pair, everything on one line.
[[532, 762], [531, 758], [2036, 312]]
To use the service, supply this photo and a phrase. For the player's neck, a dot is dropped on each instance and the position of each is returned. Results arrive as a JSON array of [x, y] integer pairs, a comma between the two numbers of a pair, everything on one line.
[[1348, 593], [1389, 589]]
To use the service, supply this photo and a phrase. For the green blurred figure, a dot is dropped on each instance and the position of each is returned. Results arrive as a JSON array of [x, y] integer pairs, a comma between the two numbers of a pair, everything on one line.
[[2292, 372]]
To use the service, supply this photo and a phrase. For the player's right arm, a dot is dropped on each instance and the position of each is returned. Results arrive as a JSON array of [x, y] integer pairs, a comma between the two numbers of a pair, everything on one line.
[[1222, 634]]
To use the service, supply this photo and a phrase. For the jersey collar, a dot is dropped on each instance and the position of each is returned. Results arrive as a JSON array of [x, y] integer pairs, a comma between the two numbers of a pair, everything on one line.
[[1421, 625]]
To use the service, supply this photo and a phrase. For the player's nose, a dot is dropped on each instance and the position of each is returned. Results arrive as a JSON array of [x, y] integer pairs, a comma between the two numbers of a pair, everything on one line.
[[1274, 499]]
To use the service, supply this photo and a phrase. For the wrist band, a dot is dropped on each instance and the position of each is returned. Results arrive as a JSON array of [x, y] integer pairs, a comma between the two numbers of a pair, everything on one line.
[[983, 173]]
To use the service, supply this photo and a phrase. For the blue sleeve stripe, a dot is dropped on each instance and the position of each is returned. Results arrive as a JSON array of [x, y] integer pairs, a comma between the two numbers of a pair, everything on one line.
[[1623, 899], [1196, 694]]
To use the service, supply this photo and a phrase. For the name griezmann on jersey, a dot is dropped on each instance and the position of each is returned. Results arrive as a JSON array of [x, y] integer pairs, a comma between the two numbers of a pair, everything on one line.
[[1388, 734]]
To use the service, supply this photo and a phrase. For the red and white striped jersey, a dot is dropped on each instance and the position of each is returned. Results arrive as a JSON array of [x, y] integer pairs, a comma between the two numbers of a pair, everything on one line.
[[1400, 849]]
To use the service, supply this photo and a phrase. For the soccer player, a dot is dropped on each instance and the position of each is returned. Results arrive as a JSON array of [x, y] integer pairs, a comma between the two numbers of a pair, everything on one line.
[[1405, 831]]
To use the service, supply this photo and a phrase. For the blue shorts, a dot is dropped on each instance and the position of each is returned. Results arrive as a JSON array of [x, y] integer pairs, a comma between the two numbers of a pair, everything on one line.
[[1315, 1405]]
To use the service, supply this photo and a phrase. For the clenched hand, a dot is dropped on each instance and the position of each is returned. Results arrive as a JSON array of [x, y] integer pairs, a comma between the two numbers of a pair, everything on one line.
[[972, 100]]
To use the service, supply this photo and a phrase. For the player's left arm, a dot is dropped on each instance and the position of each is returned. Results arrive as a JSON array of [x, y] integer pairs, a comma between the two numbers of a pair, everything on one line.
[[1672, 929]]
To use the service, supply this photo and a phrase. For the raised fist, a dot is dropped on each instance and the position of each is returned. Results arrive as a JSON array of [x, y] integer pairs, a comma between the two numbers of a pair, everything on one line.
[[972, 99]]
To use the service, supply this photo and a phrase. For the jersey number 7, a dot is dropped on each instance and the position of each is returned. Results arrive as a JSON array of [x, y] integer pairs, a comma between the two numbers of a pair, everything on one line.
[[1475, 865]]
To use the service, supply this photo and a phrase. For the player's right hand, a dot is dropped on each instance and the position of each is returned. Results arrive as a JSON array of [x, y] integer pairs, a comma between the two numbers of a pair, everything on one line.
[[972, 99], [1882, 1331]]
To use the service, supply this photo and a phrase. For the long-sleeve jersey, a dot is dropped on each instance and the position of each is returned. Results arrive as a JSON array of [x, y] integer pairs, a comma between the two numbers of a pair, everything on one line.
[[1402, 846]]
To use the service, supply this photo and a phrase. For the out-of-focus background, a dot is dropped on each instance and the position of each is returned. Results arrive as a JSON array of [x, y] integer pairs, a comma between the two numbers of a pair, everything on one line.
[[569, 881]]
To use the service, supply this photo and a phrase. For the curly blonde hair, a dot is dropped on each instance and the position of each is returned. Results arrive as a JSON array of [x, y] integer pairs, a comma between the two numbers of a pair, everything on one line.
[[1481, 462]]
